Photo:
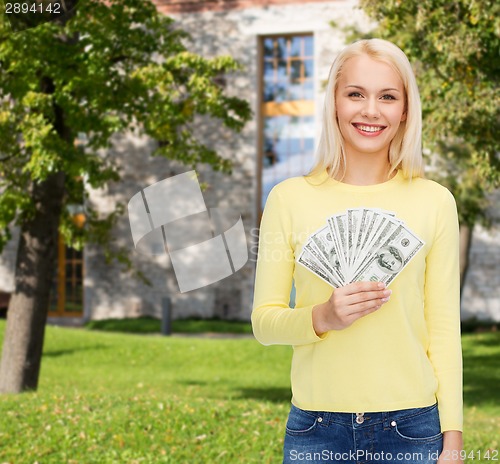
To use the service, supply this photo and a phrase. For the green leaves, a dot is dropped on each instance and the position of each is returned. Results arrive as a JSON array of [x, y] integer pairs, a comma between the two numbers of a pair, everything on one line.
[[454, 48], [112, 66]]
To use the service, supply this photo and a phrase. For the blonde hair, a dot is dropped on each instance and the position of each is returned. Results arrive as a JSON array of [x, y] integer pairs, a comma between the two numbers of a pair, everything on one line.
[[405, 151]]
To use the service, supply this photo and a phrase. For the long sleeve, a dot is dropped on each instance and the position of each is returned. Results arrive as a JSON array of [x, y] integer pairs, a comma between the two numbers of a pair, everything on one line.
[[273, 321], [442, 313]]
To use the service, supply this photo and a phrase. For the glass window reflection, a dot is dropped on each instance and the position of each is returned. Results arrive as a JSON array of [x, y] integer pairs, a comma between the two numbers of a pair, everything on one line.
[[308, 46], [288, 149], [287, 64], [296, 46], [288, 95]]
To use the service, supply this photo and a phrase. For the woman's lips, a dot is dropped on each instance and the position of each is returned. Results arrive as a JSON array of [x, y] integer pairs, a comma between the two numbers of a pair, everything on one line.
[[369, 130]]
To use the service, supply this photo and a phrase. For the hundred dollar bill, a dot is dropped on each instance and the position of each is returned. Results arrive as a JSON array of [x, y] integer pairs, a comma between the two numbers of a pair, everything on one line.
[[364, 215], [352, 231], [311, 255], [320, 261], [391, 257], [366, 232], [384, 226], [308, 260], [338, 229], [323, 241], [386, 212], [360, 244]]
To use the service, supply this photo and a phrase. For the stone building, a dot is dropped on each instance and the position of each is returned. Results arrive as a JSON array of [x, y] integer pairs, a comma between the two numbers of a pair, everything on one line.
[[286, 48]]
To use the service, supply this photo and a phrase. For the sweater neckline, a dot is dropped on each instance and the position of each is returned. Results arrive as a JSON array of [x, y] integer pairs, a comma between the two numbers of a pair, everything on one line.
[[324, 179]]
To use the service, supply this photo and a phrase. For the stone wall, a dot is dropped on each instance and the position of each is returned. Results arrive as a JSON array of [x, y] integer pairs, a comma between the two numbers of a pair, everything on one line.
[[7, 263], [481, 294], [109, 292], [189, 6]]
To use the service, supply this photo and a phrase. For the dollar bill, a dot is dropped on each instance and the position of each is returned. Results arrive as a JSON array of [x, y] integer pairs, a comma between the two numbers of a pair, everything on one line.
[[360, 244], [338, 229], [321, 261], [387, 260], [322, 240], [308, 260], [383, 228], [352, 231]]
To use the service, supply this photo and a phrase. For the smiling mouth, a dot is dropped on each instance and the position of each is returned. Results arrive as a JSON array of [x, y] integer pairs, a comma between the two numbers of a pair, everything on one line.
[[368, 128]]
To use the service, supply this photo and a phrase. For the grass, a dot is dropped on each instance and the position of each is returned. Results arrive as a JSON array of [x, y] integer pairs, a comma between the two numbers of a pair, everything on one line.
[[145, 324], [150, 325], [120, 398]]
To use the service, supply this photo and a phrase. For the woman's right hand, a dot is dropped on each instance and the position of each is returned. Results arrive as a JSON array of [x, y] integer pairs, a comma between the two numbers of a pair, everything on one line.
[[347, 304]]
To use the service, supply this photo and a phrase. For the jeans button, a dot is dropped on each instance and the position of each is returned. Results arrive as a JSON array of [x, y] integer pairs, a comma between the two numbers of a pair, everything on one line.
[[359, 417]]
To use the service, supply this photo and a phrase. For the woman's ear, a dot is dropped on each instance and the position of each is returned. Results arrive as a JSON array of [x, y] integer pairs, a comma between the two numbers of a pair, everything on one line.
[[405, 110]]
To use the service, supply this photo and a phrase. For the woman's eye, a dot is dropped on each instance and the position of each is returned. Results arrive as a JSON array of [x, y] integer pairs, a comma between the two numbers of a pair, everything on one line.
[[355, 94], [388, 97]]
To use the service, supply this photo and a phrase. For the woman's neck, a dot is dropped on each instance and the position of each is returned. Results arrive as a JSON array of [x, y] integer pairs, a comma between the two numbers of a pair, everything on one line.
[[368, 172]]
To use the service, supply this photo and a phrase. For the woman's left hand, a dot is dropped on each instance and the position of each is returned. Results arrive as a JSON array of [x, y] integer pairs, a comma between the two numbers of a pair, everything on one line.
[[452, 448]]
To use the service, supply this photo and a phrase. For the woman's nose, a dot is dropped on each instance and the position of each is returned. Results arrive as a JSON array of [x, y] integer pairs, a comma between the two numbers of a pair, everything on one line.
[[370, 109]]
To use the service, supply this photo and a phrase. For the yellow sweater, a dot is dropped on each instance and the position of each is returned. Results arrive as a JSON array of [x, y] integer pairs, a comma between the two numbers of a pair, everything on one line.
[[405, 355]]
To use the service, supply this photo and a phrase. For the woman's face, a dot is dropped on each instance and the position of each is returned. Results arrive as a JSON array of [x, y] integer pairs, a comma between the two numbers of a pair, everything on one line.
[[370, 104], [388, 261]]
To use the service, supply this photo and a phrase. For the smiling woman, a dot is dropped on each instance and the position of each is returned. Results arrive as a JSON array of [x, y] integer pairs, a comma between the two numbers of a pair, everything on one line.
[[375, 80], [370, 101], [406, 398]]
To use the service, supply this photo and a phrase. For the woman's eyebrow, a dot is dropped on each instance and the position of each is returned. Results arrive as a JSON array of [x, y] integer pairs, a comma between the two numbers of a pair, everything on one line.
[[362, 88]]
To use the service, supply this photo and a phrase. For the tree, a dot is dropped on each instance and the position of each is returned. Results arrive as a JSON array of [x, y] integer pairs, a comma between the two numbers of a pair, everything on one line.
[[454, 46], [107, 68]]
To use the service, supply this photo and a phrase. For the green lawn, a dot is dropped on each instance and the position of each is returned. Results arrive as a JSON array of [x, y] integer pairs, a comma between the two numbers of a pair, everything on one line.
[[120, 398], [143, 325]]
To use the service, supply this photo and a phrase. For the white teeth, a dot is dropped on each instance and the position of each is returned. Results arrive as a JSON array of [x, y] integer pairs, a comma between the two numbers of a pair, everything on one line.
[[369, 128]]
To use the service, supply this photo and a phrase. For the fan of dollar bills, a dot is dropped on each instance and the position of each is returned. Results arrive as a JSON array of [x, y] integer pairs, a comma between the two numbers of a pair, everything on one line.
[[362, 244]]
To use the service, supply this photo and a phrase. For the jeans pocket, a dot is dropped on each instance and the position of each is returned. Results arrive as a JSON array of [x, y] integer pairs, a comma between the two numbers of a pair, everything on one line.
[[300, 422], [422, 427]]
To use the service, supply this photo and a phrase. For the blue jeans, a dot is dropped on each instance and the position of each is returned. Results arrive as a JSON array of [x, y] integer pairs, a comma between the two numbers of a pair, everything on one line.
[[407, 436]]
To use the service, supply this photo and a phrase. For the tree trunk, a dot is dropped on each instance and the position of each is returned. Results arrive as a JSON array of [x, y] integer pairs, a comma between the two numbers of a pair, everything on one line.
[[35, 268], [28, 307], [465, 243]]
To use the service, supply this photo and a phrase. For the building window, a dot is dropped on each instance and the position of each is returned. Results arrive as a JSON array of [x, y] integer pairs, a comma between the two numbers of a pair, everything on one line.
[[287, 109], [66, 296]]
